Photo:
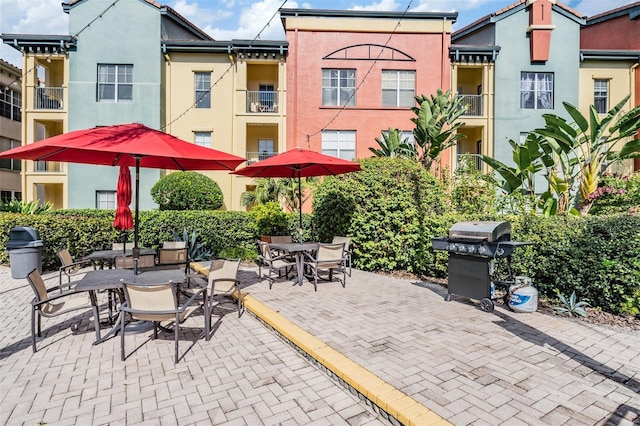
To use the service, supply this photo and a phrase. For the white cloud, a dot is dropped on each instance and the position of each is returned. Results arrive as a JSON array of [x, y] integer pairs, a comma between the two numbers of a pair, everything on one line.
[[591, 7], [259, 18], [30, 17]]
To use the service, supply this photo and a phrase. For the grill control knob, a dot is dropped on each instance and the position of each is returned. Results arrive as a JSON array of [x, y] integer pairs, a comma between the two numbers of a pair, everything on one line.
[[461, 248], [482, 249], [470, 249], [452, 247]]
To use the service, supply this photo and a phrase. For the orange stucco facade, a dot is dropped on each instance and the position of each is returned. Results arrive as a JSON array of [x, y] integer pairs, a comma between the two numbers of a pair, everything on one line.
[[418, 44]]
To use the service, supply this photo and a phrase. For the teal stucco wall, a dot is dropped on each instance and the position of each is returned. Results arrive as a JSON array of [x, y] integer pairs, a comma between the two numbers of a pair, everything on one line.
[[127, 33], [563, 62]]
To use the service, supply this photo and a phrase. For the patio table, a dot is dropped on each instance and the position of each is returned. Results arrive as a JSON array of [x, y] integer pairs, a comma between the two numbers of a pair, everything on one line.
[[297, 250], [110, 255], [110, 280]]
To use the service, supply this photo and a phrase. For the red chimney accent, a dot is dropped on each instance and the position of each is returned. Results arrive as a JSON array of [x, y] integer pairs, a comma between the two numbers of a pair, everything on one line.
[[540, 28]]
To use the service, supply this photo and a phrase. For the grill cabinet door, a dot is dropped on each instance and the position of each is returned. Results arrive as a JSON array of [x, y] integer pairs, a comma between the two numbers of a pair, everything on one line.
[[469, 276]]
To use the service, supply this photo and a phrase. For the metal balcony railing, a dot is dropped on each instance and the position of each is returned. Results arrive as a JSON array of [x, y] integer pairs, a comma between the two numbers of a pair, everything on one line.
[[262, 101], [49, 98], [473, 104], [47, 166], [254, 157], [474, 159]]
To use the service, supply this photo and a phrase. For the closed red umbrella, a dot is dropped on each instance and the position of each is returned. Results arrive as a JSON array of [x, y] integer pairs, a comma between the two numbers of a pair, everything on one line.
[[299, 163], [126, 145], [124, 218]]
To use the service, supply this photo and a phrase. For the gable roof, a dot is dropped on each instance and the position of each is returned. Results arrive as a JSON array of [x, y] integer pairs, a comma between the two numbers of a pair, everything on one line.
[[510, 10], [631, 9], [165, 10]]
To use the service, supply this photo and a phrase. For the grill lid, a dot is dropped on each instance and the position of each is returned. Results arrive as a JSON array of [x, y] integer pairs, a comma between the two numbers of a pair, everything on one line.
[[480, 231]]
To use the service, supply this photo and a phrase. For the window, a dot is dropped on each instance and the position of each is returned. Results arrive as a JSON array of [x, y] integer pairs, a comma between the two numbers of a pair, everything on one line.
[[398, 88], [536, 90], [266, 94], [106, 200], [338, 87], [339, 143], [10, 103], [7, 196], [203, 139], [601, 95], [9, 163], [115, 83], [203, 89], [265, 149]]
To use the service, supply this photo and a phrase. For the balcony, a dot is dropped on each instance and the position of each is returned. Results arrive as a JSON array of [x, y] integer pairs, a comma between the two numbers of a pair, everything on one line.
[[262, 102], [49, 98], [473, 104], [254, 157], [47, 167]]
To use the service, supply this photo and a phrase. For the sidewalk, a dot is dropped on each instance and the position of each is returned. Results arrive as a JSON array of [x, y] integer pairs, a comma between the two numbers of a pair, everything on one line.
[[464, 365]]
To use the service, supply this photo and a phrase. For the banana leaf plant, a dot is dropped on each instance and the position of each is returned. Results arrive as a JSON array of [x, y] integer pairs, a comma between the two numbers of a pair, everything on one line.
[[587, 144], [393, 145], [437, 124]]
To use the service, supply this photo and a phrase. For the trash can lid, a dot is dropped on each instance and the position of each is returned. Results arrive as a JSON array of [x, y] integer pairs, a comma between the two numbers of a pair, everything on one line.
[[23, 244], [23, 233]]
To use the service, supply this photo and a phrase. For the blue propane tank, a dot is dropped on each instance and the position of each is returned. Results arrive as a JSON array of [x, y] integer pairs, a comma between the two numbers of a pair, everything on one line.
[[523, 297]]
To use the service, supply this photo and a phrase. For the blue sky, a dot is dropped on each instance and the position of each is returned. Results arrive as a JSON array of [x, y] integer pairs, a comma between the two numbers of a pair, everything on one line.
[[246, 19]]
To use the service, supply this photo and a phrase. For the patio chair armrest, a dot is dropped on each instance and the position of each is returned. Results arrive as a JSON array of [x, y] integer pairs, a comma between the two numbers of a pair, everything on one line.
[[230, 280], [77, 263], [191, 299], [55, 296]]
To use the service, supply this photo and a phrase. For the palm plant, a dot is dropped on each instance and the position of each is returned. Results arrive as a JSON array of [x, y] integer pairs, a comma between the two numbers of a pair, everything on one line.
[[583, 148], [277, 190], [393, 145], [436, 124]]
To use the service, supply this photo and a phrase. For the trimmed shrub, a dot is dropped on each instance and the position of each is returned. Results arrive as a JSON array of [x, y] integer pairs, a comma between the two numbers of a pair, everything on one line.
[[384, 209], [187, 191]]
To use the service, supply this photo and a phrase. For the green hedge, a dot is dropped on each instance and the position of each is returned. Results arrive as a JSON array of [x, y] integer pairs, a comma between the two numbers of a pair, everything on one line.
[[597, 257], [85, 231]]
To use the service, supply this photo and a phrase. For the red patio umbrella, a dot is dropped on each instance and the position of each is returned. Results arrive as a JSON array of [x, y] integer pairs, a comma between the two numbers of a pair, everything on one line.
[[124, 219], [299, 163], [126, 145]]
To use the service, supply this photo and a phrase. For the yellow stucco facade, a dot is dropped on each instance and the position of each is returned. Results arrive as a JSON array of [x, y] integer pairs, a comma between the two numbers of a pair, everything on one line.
[[247, 112]]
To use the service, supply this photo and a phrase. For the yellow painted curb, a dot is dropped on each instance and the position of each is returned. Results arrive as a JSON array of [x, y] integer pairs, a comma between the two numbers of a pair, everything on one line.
[[397, 404]]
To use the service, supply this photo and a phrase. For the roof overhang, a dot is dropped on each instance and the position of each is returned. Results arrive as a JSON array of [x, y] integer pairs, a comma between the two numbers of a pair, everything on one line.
[[610, 55], [44, 44], [472, 53], [242, 48]]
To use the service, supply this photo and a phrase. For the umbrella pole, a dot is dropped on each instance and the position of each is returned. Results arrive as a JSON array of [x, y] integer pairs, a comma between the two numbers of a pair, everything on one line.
[[136, 250], [300, 207]]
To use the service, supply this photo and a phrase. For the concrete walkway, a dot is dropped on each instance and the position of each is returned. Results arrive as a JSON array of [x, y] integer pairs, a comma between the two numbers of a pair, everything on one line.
[[450, 360]]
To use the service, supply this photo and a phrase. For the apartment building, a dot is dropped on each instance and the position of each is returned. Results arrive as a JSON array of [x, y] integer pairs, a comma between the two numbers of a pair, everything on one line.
[[609, 63], [353, 74], [511, 67], [10, 130]]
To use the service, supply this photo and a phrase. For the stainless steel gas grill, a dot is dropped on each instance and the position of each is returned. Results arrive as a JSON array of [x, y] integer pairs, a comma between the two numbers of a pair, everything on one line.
[[473, 247]]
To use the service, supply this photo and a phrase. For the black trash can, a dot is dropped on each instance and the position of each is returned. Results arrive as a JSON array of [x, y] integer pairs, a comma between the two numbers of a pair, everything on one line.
[[25, 251]]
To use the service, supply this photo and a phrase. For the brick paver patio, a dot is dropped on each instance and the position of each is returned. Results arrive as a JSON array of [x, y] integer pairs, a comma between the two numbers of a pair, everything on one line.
[[467, 366]]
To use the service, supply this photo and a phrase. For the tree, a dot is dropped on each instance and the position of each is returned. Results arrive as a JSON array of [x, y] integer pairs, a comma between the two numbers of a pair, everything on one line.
[[574, 155], [277, 190], [393, 145], [583, 147], [436, 125], [187, 191]]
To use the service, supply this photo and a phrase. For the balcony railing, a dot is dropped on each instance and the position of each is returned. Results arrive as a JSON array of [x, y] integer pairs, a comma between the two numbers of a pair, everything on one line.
[[262, 101], [254, 157], [471, 159], [473, 104], [49, 98], [47, 166]]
